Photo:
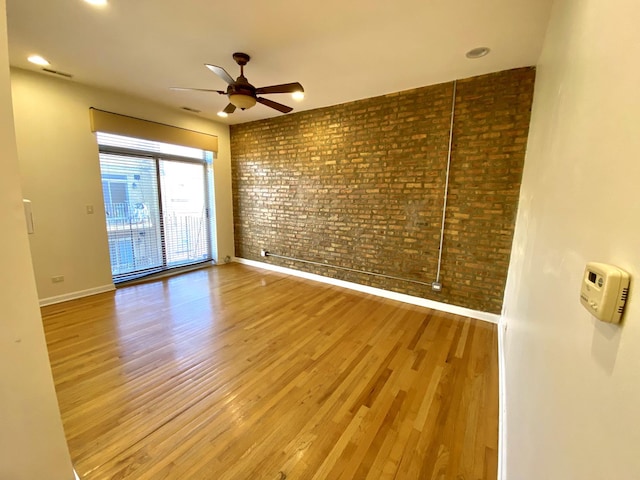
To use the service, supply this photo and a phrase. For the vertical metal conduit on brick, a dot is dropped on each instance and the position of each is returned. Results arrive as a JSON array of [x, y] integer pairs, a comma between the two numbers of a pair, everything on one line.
[[437, 285]]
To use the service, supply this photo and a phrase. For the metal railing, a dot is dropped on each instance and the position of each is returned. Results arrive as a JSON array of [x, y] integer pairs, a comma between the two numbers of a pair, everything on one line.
[[138, 241]]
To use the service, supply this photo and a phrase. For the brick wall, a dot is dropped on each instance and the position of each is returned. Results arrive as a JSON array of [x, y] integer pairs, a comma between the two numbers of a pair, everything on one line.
[[361, 185]]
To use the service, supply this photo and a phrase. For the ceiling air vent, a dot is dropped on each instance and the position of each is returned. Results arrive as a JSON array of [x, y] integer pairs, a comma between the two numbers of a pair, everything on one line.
[[56, 72]]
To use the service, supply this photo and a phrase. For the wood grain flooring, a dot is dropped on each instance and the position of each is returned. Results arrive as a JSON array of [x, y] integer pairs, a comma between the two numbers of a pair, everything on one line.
[[234, 372]]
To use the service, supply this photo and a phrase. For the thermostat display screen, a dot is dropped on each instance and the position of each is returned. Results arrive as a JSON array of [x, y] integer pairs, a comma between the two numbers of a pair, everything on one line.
[[592, 277]]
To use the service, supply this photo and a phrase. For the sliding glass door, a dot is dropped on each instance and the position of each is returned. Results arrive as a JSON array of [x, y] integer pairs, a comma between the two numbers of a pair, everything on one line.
[[157, 208], [184, 212]]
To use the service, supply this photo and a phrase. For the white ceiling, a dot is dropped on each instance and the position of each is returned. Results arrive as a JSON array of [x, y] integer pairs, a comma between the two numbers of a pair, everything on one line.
[[340, 50]]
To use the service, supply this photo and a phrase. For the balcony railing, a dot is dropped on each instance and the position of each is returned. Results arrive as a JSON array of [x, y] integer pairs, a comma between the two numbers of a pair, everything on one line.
[[135, 238]]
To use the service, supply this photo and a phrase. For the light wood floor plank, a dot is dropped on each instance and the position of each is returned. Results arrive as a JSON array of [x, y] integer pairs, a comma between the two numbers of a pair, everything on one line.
[[234, 373]]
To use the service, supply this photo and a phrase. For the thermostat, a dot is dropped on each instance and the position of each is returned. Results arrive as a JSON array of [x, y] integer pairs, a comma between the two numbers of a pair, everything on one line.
[[604, 291]]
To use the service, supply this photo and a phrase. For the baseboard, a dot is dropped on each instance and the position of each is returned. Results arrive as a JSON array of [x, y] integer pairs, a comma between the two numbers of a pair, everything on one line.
[[76, 474], [401, 297], [502, 401], [73, 295]]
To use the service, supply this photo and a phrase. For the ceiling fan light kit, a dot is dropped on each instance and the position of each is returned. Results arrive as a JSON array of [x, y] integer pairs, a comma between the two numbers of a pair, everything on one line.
[[242, 101], [243, 95]]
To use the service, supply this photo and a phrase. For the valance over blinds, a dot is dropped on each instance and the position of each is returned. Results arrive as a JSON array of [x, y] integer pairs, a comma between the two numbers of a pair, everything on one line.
[[102, 121]]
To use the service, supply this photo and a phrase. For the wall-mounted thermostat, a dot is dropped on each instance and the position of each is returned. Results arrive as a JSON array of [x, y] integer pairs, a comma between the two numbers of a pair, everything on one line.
[[604, 291]]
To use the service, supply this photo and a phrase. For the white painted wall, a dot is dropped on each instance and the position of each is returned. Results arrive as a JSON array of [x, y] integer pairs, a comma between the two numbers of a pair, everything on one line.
[[60, 168], [573, 383], [32, 442]]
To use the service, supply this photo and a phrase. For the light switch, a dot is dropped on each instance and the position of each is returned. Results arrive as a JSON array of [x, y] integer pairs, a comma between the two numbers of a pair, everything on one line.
[[28, 215], [89, 209]]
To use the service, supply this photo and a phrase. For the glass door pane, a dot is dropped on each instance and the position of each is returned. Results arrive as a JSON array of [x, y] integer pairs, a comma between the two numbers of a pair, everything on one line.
[[130, 191], [184, 210]]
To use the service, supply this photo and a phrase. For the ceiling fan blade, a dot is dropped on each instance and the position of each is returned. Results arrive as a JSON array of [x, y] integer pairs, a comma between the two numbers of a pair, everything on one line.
[[278, 106], [221, 72], [197, 89], [284, 88], [229, 108]]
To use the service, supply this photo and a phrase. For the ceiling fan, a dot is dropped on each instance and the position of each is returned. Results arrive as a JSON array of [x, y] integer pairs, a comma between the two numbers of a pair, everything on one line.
[[242, 94]]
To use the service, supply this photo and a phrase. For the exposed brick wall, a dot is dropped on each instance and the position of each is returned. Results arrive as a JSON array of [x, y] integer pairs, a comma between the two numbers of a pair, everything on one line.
[[361, 185]]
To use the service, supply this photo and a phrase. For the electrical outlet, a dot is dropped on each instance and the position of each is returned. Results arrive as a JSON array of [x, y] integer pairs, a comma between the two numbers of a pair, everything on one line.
[[436, 286], [57, 279], [263, 253]]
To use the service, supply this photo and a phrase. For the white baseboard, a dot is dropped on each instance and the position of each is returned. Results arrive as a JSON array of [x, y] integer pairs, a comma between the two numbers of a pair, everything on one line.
[[502, 401], [401, 297], [76, 474], [73, 295]]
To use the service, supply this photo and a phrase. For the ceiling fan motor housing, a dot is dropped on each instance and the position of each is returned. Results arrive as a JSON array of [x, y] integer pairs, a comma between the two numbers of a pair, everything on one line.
[[241, 87]]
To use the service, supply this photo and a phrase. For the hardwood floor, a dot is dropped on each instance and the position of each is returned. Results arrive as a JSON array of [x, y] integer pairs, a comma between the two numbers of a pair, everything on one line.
[[239, 373]]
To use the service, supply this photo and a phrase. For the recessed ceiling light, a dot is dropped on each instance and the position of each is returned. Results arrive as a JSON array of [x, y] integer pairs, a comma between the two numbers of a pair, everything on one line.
[[223, 114], [297, 95], [38, 60], [478, 52], [97, 3]]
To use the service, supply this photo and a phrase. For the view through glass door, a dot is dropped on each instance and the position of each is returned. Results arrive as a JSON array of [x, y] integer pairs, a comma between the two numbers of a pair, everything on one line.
[[157, 206], [185, 211]]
